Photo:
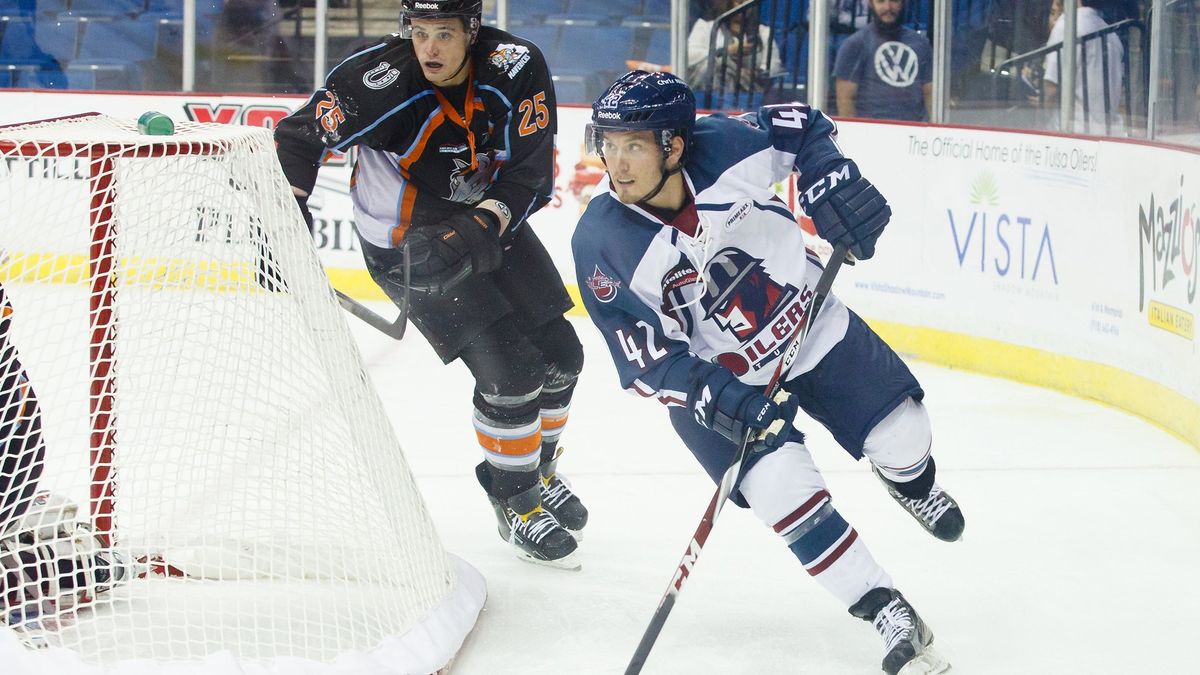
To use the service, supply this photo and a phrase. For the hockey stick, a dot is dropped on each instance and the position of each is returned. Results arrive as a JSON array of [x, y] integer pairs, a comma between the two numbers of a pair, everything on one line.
[[393, 329], [772, 390]]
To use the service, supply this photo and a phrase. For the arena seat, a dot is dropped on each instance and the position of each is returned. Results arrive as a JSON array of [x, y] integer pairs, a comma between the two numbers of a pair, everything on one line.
[[108, 8], [119, 41]]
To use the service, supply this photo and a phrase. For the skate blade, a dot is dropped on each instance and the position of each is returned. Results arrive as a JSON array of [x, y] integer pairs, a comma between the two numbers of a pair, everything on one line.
[[33, 637], [577, 535], [928, 662], [568, 562]]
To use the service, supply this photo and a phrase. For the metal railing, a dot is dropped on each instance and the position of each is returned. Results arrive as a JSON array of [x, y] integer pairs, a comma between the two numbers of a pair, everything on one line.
[[789, 55], [745, 62], [1011, 76]]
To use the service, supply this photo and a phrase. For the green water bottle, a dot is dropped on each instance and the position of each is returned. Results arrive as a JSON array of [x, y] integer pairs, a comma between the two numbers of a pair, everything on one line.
[[154, 123]]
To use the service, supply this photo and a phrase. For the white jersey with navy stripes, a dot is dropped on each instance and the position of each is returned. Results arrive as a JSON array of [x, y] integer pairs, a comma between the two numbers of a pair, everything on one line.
[[726, 281]]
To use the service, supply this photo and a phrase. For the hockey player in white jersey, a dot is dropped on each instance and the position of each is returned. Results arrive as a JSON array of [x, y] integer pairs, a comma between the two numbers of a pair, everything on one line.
[[697, 275]]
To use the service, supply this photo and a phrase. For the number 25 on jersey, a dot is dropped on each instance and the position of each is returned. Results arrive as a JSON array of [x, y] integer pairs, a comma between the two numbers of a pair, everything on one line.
[[534, 114]]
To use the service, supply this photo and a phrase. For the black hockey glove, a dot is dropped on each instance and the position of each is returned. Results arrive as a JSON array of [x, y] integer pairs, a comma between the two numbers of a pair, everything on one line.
[[846, 208], [721, 402], [302, 202], [479, 231], [444, 254]]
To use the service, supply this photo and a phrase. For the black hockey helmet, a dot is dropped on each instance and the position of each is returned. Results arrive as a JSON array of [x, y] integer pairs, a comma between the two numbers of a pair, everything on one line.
[[470, 11], [641, 100]]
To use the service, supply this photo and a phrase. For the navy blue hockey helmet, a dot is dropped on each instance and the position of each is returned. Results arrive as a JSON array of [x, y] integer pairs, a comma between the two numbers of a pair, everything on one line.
[[641, 100], [470, 11]]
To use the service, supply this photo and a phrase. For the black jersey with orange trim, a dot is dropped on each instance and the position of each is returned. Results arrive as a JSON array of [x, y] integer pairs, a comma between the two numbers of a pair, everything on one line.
[[378, 99]]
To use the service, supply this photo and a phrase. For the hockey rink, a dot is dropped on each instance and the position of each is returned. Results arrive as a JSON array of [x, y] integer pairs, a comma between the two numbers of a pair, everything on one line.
[[1081, 547]]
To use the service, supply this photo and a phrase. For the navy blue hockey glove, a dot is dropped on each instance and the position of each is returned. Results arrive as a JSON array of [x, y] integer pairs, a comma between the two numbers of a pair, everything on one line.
[[721, 402], [847, 209], [444, 254]]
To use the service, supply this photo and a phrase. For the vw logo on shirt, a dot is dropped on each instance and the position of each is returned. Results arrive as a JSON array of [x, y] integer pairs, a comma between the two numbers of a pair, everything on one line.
[[896, 64]]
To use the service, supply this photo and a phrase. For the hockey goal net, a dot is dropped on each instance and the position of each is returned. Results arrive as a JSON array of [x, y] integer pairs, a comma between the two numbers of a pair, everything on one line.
[[205, 406]]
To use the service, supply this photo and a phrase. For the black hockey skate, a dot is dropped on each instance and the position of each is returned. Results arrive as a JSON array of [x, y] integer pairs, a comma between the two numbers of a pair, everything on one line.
[[561, 501], [937, 511], [534, 533], [906, 639]]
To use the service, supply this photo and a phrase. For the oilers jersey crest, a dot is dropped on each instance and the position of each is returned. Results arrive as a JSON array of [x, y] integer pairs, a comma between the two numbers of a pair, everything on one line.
[[731, 291]]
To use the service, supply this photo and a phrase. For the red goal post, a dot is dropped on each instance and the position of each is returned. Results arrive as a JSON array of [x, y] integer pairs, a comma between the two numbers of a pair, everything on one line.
[[201, 391]]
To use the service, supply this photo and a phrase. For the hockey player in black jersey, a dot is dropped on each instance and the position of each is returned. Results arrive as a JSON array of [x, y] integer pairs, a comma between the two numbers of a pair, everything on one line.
[[454, 124], [49, 561]]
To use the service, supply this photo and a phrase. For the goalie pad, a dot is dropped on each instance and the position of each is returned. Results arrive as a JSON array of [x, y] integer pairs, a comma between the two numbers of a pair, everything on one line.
[[50, 563]]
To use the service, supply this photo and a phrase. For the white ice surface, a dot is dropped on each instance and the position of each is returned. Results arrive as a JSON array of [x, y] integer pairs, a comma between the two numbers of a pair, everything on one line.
[[1080, 554]]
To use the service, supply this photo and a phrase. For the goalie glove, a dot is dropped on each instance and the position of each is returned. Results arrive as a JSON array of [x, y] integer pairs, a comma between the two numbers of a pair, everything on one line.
[[444, 254], [724, 404], [847, 209]]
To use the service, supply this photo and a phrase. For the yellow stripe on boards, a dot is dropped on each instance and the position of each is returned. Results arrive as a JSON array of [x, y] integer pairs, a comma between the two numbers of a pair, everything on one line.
[[1163, 407], [356, 283]]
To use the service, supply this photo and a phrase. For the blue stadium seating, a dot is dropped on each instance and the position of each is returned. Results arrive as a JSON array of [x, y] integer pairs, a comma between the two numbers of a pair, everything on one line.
[[541, 8], [110, 76], [27, 41], [35, 78], [119, 41], [174, 8], [170, 36], [607, 8], [31, 7], [16, 8], [580, 19], [585, 50], [546, 38], [657, 11], [658, 50], [107, 8]]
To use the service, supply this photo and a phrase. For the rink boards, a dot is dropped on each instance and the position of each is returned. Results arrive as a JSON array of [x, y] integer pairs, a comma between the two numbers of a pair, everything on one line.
[[1067, 262]]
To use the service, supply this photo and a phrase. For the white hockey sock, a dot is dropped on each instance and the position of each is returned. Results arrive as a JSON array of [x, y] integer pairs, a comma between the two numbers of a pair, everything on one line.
[[787, 492]]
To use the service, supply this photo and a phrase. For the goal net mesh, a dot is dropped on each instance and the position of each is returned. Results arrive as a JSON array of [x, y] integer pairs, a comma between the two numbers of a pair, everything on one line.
[[205, 406]]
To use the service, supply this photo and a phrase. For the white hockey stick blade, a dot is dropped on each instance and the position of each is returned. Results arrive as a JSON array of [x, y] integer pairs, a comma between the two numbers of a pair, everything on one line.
[[928, 662]]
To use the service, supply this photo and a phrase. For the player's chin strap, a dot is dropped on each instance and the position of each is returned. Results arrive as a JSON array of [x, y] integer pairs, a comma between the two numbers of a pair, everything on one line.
[[474, 36], [704, 243], [666, 175], [465, 61]]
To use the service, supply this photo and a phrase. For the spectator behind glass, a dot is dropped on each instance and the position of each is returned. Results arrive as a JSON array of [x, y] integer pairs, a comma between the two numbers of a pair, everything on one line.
[[251, 54], [1014, 27], [741, 39], [848, 15], [1090, 57], [885, 70]]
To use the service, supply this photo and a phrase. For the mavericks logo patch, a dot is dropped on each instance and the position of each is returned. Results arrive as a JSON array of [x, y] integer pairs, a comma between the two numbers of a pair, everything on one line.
[[509, 57]]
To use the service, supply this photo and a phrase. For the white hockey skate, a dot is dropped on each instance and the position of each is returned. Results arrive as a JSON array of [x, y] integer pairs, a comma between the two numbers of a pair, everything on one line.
[[907, 640]]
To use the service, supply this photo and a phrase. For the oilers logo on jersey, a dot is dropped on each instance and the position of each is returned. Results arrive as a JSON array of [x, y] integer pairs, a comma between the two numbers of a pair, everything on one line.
[[739, 295], [742, 299]]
